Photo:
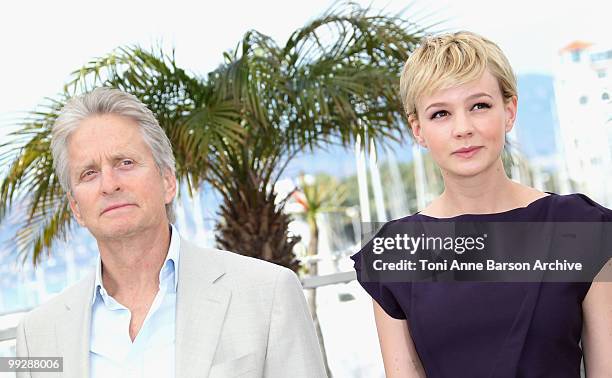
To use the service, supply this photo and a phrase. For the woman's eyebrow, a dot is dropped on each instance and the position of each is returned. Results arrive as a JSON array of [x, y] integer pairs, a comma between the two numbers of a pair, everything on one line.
[[479, 94], [470, 97]]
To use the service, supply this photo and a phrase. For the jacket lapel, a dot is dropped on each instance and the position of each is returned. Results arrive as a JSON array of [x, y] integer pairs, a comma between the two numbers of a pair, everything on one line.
[[73, 330], [201, 306]]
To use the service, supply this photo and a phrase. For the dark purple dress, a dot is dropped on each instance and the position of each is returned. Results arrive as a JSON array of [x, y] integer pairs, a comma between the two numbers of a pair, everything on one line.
[[493, 329]]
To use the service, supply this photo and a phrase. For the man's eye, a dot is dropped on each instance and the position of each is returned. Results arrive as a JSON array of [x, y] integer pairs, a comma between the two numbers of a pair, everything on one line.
[[88, 174], [440, 114], [481, 105], [127, 162]]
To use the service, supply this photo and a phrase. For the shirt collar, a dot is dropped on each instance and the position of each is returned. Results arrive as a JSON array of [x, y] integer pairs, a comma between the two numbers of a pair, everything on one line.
[[170, 266]]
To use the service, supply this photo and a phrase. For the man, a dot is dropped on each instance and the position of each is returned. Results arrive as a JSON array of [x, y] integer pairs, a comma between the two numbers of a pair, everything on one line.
[[157, 306]]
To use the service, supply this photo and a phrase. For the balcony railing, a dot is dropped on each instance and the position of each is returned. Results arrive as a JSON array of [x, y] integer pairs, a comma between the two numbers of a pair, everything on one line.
[[308, 282]]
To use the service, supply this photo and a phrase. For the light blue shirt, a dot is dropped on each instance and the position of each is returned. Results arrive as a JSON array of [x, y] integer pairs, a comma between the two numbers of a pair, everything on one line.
[[112, 353]]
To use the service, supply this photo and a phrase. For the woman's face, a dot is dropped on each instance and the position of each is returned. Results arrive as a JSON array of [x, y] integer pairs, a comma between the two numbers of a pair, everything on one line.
[[472, 115]]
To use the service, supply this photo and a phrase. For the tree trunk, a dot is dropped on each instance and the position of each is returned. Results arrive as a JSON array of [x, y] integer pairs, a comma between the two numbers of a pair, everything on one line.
[[312, 293], [252, 224]]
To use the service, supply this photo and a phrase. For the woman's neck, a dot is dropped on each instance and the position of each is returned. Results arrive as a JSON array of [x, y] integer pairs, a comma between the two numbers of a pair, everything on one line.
[[486, 193]]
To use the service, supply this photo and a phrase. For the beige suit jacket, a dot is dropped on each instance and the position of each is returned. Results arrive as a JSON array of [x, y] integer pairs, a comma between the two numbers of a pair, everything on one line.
[[235, 317]]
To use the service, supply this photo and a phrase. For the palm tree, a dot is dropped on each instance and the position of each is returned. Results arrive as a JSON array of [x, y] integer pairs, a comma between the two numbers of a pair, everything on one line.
[[322, 194], [237, 128], [193, 116]]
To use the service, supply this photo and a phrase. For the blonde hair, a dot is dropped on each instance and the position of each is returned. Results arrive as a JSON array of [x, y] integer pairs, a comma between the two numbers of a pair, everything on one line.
[[453, 59]]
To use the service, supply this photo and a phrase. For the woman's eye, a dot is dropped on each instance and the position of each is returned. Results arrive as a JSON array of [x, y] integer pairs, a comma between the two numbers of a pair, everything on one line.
[[481, 105], [439, 114], [127, 162]]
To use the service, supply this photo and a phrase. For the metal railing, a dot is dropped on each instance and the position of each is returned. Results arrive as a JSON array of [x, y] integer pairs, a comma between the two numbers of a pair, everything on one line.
[[8, 334], [308, 282]]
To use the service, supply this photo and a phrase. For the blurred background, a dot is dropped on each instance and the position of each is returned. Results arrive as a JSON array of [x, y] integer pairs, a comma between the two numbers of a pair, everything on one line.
[[335, 157]]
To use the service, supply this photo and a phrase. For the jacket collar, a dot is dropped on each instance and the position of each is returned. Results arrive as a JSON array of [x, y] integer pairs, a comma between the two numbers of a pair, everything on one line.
[[201, 305]]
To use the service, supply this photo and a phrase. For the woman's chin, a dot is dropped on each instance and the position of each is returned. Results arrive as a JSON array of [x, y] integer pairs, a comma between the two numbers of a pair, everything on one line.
[[470, 170]]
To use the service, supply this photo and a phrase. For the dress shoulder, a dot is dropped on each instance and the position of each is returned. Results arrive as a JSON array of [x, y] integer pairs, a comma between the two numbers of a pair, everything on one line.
[[388, 295], [579, 207]]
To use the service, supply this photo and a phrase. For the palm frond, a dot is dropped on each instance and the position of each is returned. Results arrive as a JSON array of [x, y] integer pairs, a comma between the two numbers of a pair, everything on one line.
[[333, 81]]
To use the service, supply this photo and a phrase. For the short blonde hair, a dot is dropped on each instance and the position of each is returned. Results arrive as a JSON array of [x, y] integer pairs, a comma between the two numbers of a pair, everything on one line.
[[453, 59]]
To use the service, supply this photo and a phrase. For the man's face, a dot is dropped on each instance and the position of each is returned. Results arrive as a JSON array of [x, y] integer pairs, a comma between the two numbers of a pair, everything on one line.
[[117, 189], [469, 115]]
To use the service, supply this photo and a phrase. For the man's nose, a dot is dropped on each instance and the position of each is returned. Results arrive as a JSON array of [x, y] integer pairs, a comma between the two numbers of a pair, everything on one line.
[[109, 182]]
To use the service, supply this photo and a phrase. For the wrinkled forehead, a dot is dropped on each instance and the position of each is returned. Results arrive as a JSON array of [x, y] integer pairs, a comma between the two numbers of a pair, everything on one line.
[[106, 138]]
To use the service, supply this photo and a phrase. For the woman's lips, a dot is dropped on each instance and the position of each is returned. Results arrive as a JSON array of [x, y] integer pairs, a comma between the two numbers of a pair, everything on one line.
[[468, 154]]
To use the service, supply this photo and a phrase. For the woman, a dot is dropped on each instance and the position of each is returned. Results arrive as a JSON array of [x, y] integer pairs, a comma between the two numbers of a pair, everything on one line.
[[459, 93]]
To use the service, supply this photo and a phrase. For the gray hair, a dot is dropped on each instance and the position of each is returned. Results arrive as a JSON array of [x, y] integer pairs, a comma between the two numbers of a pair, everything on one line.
[[109, 101]]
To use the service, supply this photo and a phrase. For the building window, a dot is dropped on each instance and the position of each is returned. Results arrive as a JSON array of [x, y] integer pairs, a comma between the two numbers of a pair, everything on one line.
[[583, 100], [605, 96], [605, 55], [601, 74], [576, 56]]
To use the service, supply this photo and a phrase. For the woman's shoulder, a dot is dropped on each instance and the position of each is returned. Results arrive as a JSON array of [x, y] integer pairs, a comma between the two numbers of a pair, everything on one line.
[[553, 207], [579, 207]]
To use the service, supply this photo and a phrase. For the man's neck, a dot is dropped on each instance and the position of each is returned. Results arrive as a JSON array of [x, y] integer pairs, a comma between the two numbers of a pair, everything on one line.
[[131, 266]]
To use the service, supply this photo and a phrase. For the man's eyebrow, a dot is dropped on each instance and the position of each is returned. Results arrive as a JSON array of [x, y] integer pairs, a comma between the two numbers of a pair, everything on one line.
[[120, 156], [88, 165], [470, 97], [114, 158]]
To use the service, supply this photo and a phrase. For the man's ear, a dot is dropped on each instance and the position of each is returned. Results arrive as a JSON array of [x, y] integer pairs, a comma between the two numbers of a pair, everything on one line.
[[415, 126], [511, 108], [169, 185], [74, 206]]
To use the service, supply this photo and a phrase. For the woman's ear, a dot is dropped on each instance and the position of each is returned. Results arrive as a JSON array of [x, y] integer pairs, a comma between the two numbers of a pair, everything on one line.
[[511, 107], [415, 126]]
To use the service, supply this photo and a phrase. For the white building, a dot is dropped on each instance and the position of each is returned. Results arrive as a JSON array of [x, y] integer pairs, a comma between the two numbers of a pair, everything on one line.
[[583, 86]]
